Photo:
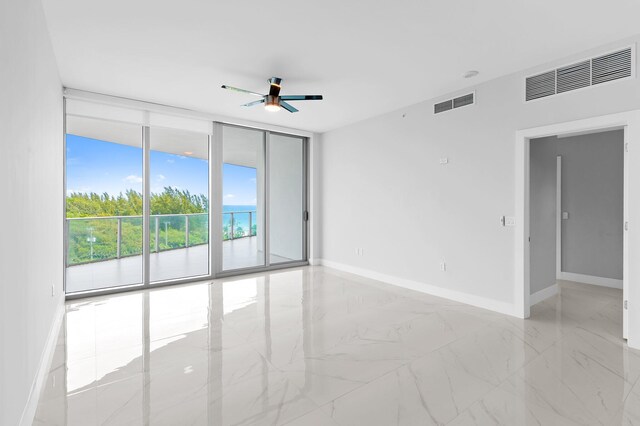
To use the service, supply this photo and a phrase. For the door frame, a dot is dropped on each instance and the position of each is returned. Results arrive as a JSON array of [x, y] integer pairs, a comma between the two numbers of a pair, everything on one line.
[[630, 122]]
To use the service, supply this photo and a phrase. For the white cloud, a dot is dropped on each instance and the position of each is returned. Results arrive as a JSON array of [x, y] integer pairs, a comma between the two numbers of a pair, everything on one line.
[[252, 180], [171, 161], [161, 177], [133, 179], [230, 196]]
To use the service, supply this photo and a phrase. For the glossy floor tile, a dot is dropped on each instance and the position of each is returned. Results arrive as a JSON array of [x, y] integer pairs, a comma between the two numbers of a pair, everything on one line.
[[314, 346]]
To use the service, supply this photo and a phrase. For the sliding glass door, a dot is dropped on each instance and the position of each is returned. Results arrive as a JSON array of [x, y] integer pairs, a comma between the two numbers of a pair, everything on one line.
[[103, 223], [138, 197], [179, 204], [287, 204], [243, 203]]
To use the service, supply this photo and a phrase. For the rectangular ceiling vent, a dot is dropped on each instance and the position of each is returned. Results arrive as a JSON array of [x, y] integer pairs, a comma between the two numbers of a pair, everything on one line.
[[601, 69], [458, 102]]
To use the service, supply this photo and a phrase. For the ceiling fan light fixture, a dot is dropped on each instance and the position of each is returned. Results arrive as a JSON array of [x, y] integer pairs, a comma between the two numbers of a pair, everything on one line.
[[272, 104]]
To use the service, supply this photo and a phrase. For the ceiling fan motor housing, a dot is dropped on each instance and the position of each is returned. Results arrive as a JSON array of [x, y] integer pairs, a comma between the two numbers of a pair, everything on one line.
[[272, 101]]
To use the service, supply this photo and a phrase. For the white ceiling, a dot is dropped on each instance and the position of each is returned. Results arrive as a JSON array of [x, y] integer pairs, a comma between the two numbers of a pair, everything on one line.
[[366, 57]]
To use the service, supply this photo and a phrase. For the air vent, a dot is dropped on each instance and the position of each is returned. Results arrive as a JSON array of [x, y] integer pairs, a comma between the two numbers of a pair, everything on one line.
[[463, 100], [443, 106], [541, 85], [573, 77], [453, 103], [612, 67], [602, 69]]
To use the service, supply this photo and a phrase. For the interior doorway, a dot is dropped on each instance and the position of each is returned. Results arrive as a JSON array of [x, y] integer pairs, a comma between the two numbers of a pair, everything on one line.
[[629, 123], [576, 212]]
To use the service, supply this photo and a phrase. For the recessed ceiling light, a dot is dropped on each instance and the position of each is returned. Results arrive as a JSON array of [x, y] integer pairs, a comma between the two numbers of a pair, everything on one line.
[[470, 74], [187, 153]]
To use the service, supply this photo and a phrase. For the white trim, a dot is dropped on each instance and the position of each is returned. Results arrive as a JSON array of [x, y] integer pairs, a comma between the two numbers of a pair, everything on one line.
[[543, 294], [558, 216], [458, 296], [630, 120], [44, 366], [591, 279]]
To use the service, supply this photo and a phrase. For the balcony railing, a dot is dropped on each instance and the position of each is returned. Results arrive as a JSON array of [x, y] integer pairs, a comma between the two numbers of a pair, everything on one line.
[[96, 239], [232, 224]]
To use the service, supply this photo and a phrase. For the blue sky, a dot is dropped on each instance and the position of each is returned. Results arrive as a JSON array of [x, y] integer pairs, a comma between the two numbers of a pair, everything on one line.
[[98, 166]]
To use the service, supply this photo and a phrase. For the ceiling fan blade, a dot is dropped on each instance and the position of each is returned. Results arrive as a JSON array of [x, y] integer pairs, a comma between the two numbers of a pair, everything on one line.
[[301, 97], [288, 107], [235, 89], [250, 104]]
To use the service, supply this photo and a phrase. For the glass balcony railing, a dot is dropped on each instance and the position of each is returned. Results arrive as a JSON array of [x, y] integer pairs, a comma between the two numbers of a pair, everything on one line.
[[95, 239], [239, 224]]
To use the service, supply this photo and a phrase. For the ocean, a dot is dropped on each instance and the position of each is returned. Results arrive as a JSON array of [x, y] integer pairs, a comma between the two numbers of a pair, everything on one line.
[[239, 219]]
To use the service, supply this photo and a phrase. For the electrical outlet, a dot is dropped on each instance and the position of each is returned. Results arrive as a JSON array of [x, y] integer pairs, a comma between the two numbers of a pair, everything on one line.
[[510, 221], [443, 266], [359, 251], [444, 160], [53, 290]]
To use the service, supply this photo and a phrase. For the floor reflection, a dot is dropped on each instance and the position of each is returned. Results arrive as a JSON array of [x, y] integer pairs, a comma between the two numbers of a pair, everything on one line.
[[314, 346]]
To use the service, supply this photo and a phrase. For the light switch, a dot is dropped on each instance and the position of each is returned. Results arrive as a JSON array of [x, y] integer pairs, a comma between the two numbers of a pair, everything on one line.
[[565, 215], [444, 160]]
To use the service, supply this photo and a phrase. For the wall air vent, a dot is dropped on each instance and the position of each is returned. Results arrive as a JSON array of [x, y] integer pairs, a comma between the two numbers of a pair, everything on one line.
[[612, 66], [573, 77], [541, 85], [454, 103], [443, 106]]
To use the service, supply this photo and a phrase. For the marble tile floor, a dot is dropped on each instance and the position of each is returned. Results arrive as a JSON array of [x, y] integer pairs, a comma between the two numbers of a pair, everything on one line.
[[314, 346]]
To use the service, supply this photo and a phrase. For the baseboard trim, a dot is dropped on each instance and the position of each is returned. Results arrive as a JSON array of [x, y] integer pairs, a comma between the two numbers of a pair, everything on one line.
[[458, 296], [543, 294], [590, 279], [46, 358]]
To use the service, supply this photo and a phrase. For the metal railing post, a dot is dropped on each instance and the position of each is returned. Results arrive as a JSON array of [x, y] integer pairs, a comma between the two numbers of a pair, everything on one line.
[[250, 223], [119, 239], [157, 233], [186, 230], [232, 232]]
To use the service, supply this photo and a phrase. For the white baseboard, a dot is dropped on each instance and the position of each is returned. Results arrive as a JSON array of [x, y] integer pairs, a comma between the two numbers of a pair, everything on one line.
[[40, 379], [590, 279], [543, 294], [458, 296]]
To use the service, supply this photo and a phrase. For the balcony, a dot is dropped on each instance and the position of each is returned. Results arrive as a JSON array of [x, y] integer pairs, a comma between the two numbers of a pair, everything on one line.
[[107, 251]]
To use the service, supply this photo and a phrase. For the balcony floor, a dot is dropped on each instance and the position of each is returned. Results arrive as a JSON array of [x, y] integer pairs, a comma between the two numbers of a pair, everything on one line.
[[167, 265]]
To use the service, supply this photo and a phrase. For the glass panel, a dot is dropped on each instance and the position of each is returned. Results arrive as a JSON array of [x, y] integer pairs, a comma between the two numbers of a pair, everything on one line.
[[243, 198], [179, 187], [286, 198], [103, 204]]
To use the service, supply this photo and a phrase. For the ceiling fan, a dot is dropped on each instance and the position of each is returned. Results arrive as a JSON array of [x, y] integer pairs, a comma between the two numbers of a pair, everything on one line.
[[273, 101]]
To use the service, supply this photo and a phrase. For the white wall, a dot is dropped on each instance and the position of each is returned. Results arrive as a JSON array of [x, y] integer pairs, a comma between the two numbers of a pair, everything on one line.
[[383, 189], [31, 152]]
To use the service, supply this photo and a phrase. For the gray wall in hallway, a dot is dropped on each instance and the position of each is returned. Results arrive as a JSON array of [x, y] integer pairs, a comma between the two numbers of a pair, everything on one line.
[[592, 194], [542, 211]]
